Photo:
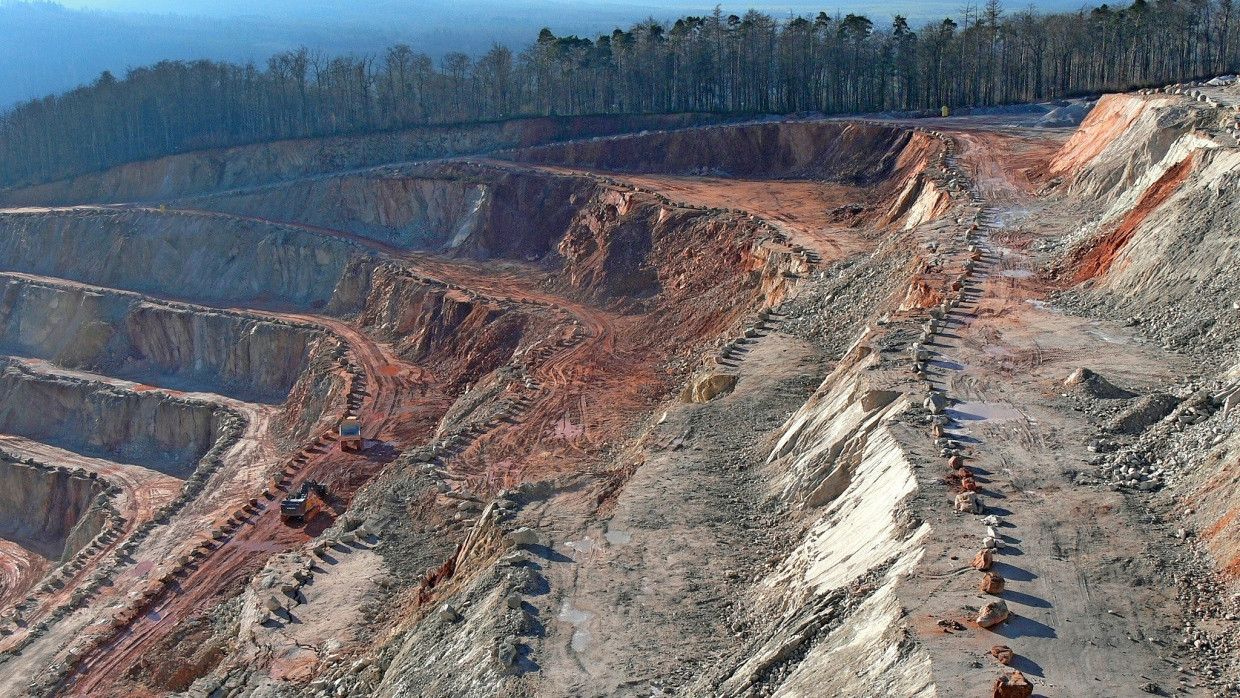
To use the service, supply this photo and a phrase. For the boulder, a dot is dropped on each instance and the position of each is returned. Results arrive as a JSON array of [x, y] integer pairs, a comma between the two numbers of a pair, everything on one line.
[[523, 536], [448, 614], [708, 387], [992, 583], [1012, 685], [1143, 413], [513, 601], [1095, 385], [968, 503], [1003, 654], [506, 652], [993, 614], [983, 560], [514, 558]]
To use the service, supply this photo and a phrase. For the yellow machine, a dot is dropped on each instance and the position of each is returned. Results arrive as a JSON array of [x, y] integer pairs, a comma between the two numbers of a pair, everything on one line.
[[350, 432]]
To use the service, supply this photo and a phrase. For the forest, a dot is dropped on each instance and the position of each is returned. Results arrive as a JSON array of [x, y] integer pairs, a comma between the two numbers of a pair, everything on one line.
[[750, 64]]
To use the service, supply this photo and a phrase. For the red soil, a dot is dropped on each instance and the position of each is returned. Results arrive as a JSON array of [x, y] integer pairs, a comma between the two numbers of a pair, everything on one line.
[[1097, 258]]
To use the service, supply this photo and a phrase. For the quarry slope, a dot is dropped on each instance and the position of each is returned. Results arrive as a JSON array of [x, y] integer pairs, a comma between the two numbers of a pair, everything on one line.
[[784, 408]]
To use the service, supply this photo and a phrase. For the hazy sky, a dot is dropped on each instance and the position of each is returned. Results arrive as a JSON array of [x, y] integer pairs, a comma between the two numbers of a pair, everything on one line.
[[360, 10]]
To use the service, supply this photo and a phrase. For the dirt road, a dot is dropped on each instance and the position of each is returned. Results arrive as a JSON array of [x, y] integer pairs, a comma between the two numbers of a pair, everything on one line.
[[1089, 614]]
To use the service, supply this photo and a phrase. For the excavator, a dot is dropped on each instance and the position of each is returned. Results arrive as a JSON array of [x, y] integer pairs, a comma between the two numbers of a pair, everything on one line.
[[304, 502]]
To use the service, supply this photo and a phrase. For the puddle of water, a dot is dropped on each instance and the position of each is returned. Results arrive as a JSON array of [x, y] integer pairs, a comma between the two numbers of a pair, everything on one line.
[[585, 546], [1017, 273], [618, 537], [1043, 305], [1099, 334], [579, 619], [973, 411]]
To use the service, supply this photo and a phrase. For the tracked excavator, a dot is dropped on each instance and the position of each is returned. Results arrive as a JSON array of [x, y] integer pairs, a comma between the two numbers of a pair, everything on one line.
[[304, 502]]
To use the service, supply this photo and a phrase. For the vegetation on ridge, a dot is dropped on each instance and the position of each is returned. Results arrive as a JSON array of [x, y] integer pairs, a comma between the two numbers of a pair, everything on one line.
[[714, 63]]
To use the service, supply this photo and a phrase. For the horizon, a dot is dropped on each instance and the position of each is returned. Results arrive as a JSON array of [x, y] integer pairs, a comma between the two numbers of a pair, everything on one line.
[[57, 46]]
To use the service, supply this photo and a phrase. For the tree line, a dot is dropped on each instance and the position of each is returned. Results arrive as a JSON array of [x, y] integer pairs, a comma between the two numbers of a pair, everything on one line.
[[713, 63]]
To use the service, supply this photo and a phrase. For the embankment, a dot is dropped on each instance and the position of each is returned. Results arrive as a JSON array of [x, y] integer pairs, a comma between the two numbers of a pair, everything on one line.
[[850, 152], [48, 511], [468, 210], [120, 334], [206, 258], [1163, 246], [151, 429], [246, 166], [833, 600]]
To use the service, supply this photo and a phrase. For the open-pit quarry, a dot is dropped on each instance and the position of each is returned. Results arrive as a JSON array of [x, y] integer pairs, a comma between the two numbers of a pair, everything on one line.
[[648, 407]]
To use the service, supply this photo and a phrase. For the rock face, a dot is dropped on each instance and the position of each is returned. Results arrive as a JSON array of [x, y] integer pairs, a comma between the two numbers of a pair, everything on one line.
[[197, 257], [708, 387], [120, 334], [47, 511], [477, 212], [146, 428], [848, 152], [412, 211], [425, 321], [249, 165]]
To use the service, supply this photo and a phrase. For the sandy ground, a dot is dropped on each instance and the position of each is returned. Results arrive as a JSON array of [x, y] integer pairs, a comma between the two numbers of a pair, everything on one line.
[[1092, 614], [20, 571], [647, 589], [390, 392]]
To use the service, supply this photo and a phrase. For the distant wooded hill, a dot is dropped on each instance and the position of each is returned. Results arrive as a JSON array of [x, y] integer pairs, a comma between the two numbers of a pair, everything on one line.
[[715, 63]]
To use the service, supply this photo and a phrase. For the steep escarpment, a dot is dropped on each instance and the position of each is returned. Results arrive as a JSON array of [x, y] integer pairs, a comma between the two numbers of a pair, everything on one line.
[[839, 151], [193, 257], [1161, 249], [47, 511], [647, 254], [1126, 143], [147, 428], [122, 334], [251, 165], [405, 210], [457, 334], [464, 209]]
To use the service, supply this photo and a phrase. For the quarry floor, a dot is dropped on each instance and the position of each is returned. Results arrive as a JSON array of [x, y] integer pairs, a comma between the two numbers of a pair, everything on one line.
[[1089, 576], [650, 586]]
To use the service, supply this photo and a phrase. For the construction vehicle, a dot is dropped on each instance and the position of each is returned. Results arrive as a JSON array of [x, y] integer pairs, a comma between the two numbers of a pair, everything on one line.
[[350, 432], [304, 502]]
